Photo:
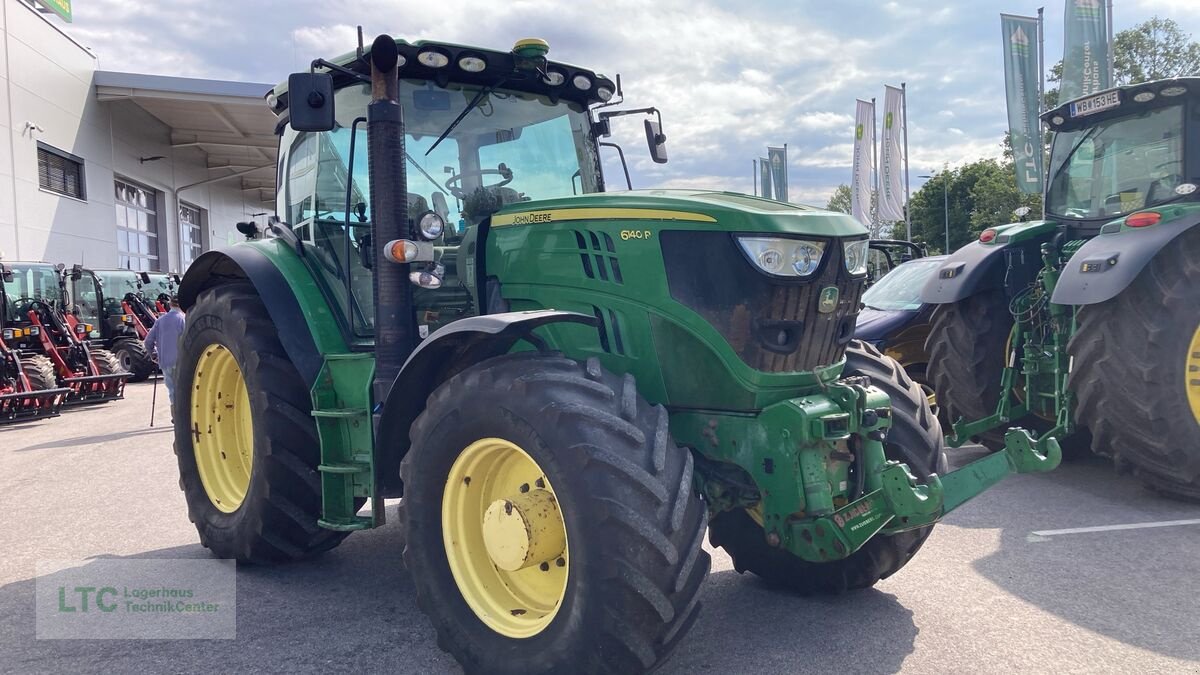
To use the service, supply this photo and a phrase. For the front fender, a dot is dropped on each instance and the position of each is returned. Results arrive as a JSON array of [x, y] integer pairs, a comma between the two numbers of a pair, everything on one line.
[[1109, 262], [446, 352]]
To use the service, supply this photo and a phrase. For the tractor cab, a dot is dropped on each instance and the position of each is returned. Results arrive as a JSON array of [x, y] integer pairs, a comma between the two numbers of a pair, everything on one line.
[[111, 302], [482, 130], [1122, 151]]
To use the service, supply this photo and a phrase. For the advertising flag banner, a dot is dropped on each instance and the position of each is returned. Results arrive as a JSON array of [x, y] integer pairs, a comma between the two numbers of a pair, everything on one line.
[[891, 157], [778, 158], [764, 177], [1021, 88], [864, 162], [1085, 50]]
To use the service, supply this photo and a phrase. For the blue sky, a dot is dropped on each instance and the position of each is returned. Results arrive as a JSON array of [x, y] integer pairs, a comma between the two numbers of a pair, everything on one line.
[[730, 76]]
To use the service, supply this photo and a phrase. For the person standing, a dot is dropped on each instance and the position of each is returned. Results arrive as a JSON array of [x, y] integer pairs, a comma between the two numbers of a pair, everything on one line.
[[163, 342]]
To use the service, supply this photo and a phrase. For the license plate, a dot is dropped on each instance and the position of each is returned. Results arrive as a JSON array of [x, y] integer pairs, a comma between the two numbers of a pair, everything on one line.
[[1095, 104]]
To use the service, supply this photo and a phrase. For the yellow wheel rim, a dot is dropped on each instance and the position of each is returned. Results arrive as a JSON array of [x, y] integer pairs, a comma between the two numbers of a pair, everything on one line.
[[222, 428], [505, 538], [1192, 374]]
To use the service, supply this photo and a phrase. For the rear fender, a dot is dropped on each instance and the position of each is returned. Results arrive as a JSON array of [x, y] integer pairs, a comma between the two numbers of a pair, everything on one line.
[[978, 266], [1109, 262], [446, 352]]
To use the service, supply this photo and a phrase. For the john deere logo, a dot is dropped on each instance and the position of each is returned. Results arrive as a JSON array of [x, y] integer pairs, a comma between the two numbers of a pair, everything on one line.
[[858, 132], [887, 120], [829, 299]]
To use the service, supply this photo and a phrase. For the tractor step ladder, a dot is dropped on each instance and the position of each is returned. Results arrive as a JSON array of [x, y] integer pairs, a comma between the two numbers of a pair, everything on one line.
[[341, 401]]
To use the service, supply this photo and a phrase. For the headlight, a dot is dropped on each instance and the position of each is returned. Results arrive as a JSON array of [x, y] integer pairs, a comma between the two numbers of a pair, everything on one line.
[[856, 256], [431, 225], [8, 334], [784, 257], [34, 330]]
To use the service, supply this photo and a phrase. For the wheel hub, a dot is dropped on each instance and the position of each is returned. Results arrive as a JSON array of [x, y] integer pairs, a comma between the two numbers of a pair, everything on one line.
[[1192, 374], [523, 530], [505, 538]]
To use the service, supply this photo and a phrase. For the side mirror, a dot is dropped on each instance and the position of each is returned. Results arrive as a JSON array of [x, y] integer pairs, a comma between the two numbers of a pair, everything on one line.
[[6, 273], [76, 272], [366, 252], [657, 142], [249, 229], [310, 101], [145, 277]]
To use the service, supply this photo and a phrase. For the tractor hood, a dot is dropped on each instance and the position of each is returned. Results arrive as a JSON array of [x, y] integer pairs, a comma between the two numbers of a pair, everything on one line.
[[727, 211]]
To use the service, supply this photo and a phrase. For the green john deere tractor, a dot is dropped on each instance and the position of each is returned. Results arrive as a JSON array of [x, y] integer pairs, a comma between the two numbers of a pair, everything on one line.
[[1089, 321], [566, 386]]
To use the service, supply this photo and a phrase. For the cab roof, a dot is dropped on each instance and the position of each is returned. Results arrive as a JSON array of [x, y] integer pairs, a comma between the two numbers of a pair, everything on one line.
[[418, 61], [1156, 94]]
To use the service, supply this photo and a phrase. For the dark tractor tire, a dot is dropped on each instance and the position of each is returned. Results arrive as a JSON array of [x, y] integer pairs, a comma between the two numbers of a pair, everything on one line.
[[134, 358], [265, 499], [966, 347], [106, 362], [633, 562], [40, 371], [1137, 371], [915, 438]]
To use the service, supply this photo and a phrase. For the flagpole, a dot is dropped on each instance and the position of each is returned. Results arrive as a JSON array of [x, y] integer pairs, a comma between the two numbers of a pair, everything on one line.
[[1041, 19], [754, 164], [875, 169], [1112, 76], [904, 116], [785, 171]]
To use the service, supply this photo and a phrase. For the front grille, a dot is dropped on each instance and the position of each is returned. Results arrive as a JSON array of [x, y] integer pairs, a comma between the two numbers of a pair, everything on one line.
[[773, 324]]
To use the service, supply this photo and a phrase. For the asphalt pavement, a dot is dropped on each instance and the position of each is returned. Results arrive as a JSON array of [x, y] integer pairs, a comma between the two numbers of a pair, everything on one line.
[[985, 594]]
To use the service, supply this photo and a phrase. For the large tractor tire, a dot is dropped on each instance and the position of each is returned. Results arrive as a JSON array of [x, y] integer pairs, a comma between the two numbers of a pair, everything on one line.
[[1137, 371], [39, 369], [550, 519], [134, 358], [915, 438], [106, 362], [245, 440], [966, 346]]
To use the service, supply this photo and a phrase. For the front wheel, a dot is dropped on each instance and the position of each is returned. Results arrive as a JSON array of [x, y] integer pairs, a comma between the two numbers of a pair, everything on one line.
[[550, 519], [915, 438]]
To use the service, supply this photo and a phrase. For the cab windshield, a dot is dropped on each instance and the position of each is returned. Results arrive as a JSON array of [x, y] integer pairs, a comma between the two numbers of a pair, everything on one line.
[[1117, 166], [900, 289], [32, 282], [509, 147]]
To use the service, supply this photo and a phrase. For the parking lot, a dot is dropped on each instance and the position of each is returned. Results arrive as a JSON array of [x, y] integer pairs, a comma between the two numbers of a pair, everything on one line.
[[986, 594]]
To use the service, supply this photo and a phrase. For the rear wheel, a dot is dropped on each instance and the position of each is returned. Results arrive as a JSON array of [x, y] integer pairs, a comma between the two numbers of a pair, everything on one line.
[[39, 369], [133, 358], [245, 441], [550, 519], [106, 362], [1137, 371], [915, 438]]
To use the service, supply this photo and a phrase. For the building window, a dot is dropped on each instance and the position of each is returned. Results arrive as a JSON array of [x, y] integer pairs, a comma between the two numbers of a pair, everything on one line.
[[137, 227], [60, 172], [191, 233]]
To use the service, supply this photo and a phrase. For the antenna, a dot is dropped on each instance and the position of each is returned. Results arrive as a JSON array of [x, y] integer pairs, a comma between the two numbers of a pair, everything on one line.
[[360, 43]]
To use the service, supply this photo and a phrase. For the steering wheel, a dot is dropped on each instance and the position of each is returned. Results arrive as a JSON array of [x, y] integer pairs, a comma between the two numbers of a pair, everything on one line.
[[27, 304], [503, 171]]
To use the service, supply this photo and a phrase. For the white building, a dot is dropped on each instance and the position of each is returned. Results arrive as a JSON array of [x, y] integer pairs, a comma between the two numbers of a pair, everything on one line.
[[121, 169]]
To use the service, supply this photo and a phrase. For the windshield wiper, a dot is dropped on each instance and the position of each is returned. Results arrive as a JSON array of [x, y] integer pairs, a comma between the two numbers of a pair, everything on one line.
[[470, 106]]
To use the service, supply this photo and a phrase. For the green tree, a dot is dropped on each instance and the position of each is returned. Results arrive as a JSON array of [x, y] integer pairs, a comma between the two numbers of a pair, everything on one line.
[[840, 201], [1154, 50], [979, 195]]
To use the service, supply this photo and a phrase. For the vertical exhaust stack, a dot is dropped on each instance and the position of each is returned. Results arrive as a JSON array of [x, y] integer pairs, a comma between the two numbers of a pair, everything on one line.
[[395, 325]]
